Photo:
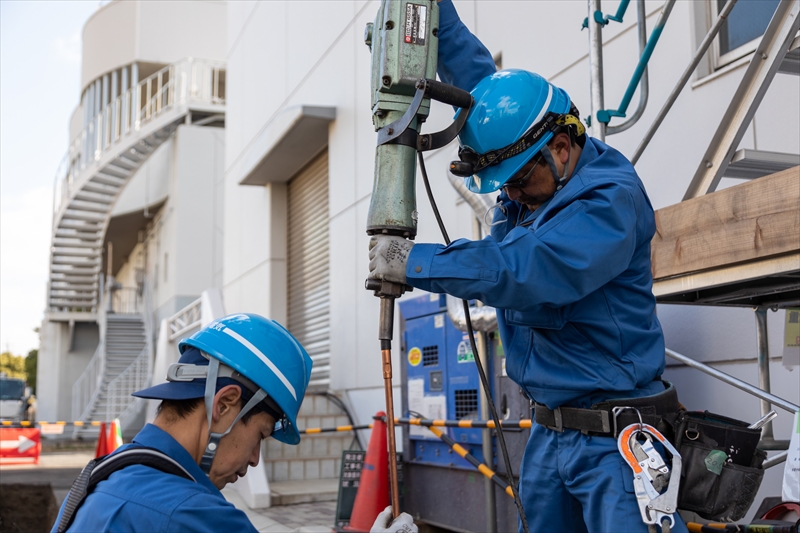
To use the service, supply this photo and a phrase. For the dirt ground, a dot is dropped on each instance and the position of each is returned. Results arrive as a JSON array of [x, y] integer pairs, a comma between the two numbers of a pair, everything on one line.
[[26, 508]]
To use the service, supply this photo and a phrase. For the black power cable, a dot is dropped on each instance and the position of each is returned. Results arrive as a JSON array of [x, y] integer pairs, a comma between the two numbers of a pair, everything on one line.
[[484, 381]]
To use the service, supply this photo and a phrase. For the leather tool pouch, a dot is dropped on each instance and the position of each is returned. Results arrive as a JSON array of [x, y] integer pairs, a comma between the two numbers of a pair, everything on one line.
[[721, 465]]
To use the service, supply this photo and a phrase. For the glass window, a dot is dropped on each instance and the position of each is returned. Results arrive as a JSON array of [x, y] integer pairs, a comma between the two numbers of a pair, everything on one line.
[[748, 20], [12, 389]]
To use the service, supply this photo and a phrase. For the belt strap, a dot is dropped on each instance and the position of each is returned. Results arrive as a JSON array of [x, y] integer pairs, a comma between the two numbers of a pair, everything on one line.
[[600, 419], [591, 421]]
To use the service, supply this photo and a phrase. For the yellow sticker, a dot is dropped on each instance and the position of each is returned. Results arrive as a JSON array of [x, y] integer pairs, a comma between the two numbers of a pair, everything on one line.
[[414, 356]]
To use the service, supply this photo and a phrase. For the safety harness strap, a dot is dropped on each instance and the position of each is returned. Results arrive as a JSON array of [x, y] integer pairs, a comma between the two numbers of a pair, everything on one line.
[[100, 469]]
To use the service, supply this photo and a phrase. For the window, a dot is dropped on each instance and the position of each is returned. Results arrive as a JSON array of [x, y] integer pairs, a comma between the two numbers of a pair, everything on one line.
[[740, 32]]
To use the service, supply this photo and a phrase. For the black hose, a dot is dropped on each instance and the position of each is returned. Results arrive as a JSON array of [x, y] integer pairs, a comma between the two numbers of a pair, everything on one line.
[[484, 381]]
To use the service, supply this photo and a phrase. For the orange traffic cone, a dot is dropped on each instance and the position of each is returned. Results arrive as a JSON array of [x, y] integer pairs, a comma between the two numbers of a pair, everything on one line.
[[102, 447], [373, 487], [114, 440]]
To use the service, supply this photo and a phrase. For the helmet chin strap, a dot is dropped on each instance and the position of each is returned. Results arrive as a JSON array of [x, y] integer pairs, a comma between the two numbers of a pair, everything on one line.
[[548, 156], [214, 438]]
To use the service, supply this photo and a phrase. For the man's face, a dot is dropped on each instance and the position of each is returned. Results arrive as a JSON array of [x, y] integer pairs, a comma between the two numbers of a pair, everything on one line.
[[534, 190], [240, 448]]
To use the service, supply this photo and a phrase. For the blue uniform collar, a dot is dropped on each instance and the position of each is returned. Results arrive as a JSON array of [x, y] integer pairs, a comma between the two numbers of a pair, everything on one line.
[[155, 437]]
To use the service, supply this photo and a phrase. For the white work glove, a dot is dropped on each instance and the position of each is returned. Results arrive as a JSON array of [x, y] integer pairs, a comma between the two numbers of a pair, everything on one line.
[[402, 524], [388, 256]]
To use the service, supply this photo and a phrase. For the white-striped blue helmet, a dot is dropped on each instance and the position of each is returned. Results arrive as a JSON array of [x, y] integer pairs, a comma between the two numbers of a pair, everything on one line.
[[264, 352], [509, 104]]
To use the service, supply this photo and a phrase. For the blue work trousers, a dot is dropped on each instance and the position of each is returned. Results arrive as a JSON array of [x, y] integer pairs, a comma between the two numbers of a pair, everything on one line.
[[577, 483]]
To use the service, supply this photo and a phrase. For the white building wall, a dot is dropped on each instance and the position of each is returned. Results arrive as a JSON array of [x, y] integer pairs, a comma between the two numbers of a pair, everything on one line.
[[183, 243], [124, 31], [283, 54]]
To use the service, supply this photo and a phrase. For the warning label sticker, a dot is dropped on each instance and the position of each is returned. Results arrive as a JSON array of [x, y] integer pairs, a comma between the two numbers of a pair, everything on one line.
[[464, 353], [416, 16], [414, 356]]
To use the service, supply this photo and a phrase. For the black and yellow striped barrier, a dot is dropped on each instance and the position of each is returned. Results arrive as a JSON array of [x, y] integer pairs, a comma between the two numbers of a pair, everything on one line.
[[463, 424], [482, 468], [716, 527], [311, 431], [27, 424]]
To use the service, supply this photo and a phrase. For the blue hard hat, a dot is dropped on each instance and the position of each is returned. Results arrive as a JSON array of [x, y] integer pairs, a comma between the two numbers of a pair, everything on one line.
[[507, 104], [264, 352]]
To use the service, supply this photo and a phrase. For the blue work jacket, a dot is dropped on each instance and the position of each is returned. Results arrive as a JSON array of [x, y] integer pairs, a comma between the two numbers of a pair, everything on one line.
[[143, 499], [571, 280]]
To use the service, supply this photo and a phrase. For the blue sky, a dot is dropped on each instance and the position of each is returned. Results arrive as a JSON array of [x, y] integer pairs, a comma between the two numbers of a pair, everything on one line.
[[40, 62]]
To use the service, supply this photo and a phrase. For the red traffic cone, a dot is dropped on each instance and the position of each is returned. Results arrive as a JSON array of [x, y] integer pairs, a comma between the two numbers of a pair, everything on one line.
[[373, 487], [102, 446]]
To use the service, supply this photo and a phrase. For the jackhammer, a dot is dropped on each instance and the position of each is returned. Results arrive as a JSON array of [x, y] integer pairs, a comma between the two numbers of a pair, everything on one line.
[[404, 45]]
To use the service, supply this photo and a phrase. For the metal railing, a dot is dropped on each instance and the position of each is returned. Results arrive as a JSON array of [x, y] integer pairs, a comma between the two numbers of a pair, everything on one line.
[[187, 81], [133, 378], [185, 320], [138, 375], [85, 388], [125, 301]]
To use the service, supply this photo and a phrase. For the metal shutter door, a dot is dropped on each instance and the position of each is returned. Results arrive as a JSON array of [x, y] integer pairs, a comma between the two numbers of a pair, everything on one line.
[[308, 268]]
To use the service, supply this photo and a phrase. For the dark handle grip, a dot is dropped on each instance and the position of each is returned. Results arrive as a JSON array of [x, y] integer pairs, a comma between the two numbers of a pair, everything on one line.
[[448, 94]]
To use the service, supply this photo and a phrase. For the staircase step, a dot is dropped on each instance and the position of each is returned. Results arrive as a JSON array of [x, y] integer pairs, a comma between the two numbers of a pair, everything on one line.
[[302, 469], [306, 491], [752, 164], [100, 188], [85, 205]]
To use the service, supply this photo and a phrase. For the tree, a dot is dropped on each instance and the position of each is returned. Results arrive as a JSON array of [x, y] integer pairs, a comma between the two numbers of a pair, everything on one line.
[[30, 368], [12, 365]]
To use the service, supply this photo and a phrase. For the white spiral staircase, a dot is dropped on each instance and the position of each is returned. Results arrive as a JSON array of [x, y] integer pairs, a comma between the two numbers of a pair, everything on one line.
[[102, 159]]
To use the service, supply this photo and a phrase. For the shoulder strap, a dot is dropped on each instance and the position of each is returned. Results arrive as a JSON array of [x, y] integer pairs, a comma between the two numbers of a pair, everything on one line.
[[100, 469]]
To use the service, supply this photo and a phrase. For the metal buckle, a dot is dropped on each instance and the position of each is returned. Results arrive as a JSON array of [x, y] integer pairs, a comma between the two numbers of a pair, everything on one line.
[[186, 372], [616, 411], [558, 420]]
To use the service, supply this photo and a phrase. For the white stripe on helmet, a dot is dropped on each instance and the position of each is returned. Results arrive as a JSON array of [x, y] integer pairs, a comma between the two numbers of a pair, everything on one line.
[[247, 344], [545, 107]]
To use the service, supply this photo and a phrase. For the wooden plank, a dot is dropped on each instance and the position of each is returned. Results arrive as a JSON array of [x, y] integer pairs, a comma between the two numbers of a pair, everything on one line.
[[750, 221]]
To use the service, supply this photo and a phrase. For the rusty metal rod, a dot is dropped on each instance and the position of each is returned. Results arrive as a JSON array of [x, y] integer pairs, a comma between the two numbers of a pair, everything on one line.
[[385, 336]]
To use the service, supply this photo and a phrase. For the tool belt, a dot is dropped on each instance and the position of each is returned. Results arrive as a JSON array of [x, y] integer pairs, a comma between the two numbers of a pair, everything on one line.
[[608, 417], [722, 467]]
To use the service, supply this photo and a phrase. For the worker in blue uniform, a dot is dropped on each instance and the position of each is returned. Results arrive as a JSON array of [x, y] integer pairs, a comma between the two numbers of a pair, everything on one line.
[[238, 381], [568, 268]]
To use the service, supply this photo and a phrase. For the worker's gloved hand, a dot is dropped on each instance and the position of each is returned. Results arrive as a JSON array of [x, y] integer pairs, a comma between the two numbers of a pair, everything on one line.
[[388, 256], [402, 524]]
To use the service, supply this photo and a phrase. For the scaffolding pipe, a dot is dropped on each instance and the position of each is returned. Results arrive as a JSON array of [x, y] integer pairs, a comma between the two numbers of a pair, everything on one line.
[[701, 51], [738, 383], [763, 367], [596, 69], [644, 84]]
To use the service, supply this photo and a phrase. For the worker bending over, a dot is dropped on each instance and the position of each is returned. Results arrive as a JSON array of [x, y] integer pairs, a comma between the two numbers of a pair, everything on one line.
[[568, 268], [238, 381]]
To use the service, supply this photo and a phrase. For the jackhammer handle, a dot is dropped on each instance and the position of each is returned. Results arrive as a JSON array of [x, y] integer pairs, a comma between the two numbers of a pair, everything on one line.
[[447, 94]]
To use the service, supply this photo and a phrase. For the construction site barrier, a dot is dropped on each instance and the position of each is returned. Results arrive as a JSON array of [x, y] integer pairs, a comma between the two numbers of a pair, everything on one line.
[[20, 445], [463, 424], [482, 468], [740, 528], [26, 424]]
